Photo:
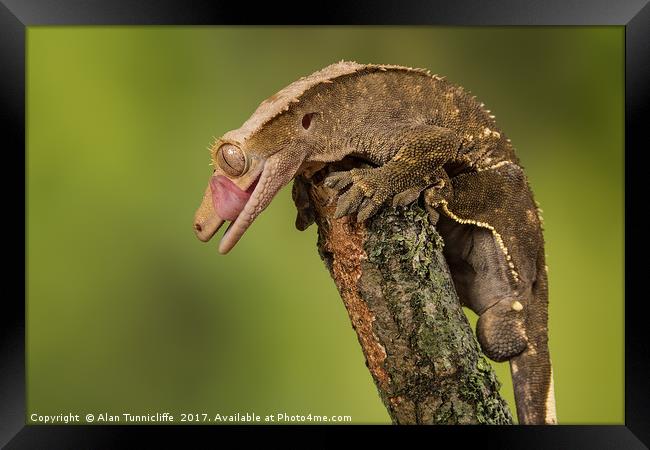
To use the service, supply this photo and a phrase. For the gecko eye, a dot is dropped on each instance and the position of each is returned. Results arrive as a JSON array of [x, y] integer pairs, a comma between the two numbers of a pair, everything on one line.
[[231, 160], [306, 120]]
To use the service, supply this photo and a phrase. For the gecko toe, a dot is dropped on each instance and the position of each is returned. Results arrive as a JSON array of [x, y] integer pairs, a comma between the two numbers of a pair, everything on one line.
[[348, 202], [368, 208], [338, 180], [406, 197]]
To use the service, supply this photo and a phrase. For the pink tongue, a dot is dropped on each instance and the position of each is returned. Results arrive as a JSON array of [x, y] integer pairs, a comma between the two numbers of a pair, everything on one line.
[[227, 198]]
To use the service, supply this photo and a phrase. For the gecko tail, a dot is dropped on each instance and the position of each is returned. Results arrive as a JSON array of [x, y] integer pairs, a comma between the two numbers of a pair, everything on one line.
[[532, 372], [534, 390]]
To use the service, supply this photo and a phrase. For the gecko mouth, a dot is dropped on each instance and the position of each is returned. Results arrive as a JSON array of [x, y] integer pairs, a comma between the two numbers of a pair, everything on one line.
[[227, 198], [223, 200]]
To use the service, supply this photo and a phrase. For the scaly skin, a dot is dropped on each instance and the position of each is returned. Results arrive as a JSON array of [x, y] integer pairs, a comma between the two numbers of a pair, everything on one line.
[[423, 136]]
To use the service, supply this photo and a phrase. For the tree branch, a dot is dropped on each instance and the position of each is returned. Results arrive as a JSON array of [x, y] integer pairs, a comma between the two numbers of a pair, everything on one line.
[[396, 286]]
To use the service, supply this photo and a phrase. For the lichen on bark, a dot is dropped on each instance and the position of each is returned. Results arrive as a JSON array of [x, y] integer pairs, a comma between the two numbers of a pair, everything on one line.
[[396, 286]]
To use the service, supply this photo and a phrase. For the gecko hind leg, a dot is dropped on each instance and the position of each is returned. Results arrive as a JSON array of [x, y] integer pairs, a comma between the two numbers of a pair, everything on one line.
[[495, 251], [481, 277]]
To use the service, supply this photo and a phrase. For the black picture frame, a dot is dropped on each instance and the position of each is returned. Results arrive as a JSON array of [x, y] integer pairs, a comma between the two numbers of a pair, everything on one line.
[[16, 15]]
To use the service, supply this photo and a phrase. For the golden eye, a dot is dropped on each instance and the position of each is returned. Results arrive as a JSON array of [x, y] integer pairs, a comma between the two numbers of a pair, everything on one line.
[[231, 160]]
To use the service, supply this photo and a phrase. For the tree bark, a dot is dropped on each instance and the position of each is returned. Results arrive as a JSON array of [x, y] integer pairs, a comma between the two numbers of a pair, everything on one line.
[[397, 289]]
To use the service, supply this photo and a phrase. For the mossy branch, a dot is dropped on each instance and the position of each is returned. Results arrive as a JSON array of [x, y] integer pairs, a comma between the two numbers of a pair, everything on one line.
[[396, 286]]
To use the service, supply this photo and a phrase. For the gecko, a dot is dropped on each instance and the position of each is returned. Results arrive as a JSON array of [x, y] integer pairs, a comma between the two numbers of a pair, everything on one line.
[[422, 137]]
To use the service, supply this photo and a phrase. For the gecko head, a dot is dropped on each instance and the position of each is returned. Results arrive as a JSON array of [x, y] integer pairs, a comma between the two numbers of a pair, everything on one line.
[[253, 162], [250, 168], [233, 183]]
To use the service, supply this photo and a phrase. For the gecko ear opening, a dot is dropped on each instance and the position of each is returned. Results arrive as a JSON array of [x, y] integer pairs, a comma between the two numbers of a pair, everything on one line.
[[306, 120]]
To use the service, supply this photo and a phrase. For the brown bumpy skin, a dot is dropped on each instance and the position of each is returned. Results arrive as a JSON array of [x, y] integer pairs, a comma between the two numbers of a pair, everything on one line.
[[423, 137]]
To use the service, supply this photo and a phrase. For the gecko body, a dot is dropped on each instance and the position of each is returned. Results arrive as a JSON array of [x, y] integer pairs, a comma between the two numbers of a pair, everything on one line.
[[423, 137]]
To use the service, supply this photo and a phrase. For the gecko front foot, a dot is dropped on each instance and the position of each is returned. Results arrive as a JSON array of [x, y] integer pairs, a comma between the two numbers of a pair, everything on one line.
[[370, 189], [365, 195]]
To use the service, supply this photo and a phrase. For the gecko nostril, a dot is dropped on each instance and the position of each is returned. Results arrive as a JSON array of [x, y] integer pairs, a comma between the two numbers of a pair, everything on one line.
[[197, 227]]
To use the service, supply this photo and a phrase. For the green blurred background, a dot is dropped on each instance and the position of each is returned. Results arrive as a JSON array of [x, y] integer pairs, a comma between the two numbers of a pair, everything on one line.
[[128, 312]]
